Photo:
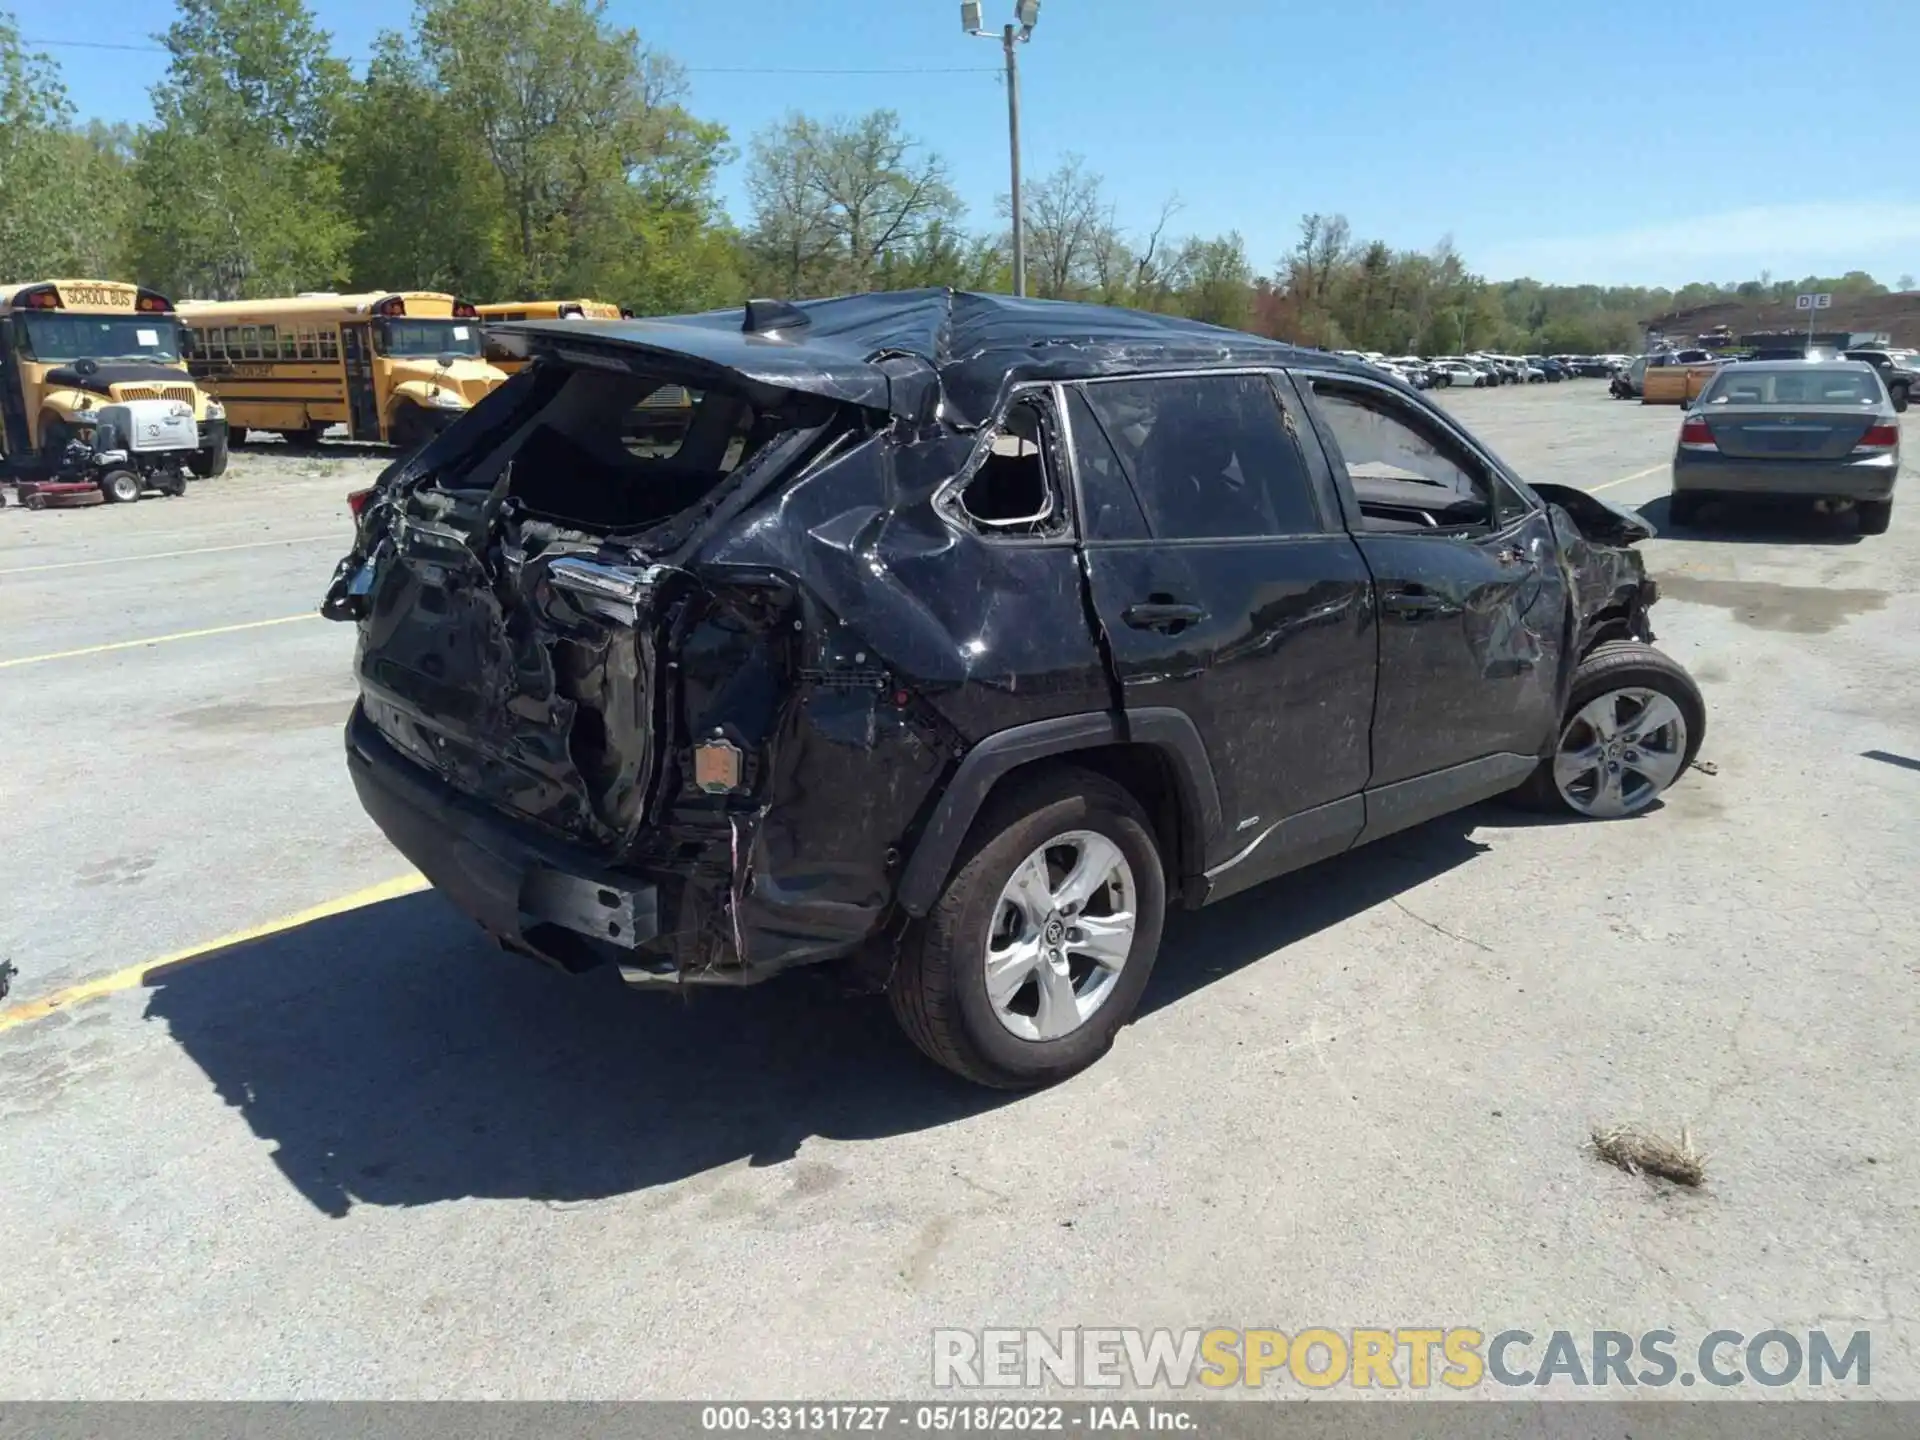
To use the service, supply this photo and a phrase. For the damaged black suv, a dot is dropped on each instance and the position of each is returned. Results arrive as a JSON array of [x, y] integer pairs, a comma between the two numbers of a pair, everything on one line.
[[951, 637]]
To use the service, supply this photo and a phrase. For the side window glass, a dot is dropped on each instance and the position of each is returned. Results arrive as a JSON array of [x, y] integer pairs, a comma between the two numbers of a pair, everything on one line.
[[232, 340], [1405, 473], [1210, 456], [1014, 491], [1107, 501], [189, 349], [250, 341], [329, 345], [288, 347], [307, 350]]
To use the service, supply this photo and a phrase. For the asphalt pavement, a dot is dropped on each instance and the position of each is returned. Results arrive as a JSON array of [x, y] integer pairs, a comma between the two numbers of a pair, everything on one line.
[[364, 1154]]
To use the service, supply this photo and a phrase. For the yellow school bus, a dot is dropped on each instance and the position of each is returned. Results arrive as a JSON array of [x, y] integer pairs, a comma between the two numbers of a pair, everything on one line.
[[68, 348], [497, 355], [390, 366]]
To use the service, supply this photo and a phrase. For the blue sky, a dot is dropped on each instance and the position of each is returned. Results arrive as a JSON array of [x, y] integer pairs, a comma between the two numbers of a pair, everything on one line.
[[1583, 140]]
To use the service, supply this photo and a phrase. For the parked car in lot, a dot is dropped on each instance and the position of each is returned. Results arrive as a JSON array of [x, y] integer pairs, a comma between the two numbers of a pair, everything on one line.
[[1823, 430], [1459, 372], [956, 639], [1899, 371]]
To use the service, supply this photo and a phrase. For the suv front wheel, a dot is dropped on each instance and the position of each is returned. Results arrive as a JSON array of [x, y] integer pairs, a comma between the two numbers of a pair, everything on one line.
[[1634, 723], [1039, 947]]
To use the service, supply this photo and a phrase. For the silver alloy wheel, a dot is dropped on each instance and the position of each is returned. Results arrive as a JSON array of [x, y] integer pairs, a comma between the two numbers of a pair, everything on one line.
[[1061, 933], [1619, 751]]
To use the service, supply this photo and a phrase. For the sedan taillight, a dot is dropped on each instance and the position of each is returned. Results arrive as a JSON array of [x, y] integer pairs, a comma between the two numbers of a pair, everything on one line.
[[1878, 440], [1694, 435]]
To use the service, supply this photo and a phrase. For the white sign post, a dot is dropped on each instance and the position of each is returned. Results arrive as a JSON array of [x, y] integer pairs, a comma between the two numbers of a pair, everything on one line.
[[1811, 303]]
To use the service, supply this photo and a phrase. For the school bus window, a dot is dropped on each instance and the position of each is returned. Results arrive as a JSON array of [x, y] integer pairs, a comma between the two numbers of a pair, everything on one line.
[[287, 351], [303, 346], [189, 343], [329, 345], [230, 341]]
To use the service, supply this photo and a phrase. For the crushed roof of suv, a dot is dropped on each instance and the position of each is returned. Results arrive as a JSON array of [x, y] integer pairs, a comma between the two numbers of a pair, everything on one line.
[[887, 351]]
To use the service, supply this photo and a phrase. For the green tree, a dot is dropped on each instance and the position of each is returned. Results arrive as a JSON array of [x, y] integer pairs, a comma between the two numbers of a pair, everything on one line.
[[48, 225], [239, 193], [430, 207], [838, 204], [1217, 281], [603, 179]]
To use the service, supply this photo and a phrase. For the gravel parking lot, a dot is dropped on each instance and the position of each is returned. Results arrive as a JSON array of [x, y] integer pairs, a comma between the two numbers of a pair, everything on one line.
[[367, 1155]]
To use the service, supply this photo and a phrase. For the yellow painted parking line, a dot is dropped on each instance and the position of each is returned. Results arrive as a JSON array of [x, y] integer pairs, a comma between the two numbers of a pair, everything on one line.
[[1636, 475], [156, 640], [29, 1011], [174, 554]]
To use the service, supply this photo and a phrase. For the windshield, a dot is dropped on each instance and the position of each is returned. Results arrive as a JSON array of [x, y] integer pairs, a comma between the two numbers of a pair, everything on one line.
[[1747, 386], [52, 337], [427, 337]]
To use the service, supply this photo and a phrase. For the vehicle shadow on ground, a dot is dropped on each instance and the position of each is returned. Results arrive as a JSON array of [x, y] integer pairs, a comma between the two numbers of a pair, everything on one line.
[[325, 450], [394, 1057], [1757, 521]]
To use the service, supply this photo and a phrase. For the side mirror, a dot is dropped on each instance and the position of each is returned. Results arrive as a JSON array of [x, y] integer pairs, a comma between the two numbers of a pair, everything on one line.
[[446, 359]]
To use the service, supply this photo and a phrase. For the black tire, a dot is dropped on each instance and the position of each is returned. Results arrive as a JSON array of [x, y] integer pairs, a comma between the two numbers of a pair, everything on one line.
[[35, 501], [1899, 394], [1683, 507], [410, 429], [238, 435], [313, 433], [1875, 516], [209, 463], [121, 487], [938, 988], [1612, 666]]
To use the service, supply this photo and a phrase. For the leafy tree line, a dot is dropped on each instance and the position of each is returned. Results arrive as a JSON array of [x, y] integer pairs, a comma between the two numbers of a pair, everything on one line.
[[517, 149]]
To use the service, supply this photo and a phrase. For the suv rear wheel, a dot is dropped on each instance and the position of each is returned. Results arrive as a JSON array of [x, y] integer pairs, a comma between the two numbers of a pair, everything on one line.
[[1634, 723], [1039, 947]]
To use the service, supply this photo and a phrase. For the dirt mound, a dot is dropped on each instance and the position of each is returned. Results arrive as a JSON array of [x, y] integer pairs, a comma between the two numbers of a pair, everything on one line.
[[1897, 314]]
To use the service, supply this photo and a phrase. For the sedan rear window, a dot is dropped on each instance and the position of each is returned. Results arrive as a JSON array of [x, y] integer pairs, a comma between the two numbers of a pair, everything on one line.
[[1811, 386]]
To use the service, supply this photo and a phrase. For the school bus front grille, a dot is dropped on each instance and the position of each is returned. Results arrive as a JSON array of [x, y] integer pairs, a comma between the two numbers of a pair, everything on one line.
[[182, 393]]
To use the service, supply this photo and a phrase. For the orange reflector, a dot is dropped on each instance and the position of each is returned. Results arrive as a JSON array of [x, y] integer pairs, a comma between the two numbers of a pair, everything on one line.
[[716, 767]]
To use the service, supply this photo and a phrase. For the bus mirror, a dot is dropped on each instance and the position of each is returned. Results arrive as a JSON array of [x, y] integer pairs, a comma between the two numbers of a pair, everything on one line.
[[445, 362]]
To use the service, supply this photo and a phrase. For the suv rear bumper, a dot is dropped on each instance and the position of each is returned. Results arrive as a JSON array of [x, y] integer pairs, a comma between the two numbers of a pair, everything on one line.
[[533, 894]]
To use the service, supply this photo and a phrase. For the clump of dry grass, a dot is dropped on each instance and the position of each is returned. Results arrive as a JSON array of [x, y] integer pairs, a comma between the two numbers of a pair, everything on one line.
[[1639, 1153]]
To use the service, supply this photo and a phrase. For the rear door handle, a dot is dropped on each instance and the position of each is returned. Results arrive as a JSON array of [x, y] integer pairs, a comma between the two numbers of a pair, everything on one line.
[[1162, 615], [1409, 603]]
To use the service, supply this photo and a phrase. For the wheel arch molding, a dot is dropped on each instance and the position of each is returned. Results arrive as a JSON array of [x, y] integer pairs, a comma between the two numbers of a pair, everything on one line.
[[1168, 732]]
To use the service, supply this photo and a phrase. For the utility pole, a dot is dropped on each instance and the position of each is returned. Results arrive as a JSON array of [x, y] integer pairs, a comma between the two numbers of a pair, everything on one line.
[[1009, 39], [1026, 14]]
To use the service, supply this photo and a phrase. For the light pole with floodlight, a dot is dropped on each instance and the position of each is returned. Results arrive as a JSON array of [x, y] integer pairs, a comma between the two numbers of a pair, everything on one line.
[[1026, 14]]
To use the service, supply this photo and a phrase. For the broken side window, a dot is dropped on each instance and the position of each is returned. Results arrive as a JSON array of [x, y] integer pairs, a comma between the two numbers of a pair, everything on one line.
[[1012, 491], [1405, 472]]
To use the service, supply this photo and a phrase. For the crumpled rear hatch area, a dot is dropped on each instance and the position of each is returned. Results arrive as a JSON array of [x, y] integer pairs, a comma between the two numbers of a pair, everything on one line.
[[512, 623]]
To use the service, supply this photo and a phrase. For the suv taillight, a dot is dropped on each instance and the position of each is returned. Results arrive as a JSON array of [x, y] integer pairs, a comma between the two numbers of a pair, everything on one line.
[[1694, 435], [1878, 438]]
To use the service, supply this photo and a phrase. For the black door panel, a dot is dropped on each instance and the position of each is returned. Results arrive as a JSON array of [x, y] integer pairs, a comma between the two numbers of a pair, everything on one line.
[[1473, 603], [1471, 632], [1261, 631]]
